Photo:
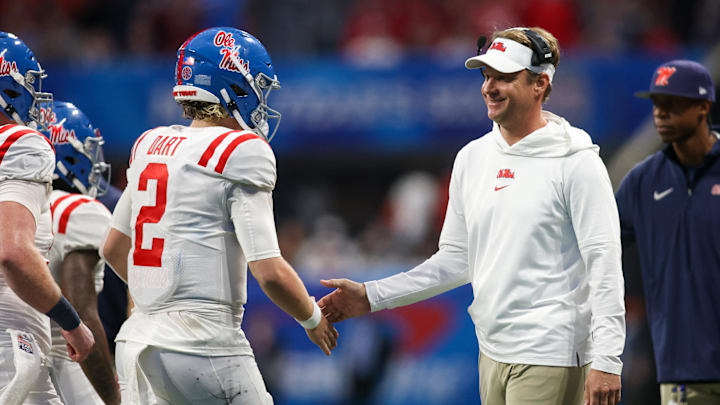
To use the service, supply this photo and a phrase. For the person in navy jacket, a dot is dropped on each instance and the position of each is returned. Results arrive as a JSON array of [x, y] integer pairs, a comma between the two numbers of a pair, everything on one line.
[[670, 207]]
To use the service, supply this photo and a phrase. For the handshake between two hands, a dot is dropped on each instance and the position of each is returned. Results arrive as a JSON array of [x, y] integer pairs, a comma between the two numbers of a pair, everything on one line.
[[349, 299]]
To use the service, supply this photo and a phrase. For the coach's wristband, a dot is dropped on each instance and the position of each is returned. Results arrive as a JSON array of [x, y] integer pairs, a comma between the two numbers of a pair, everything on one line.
[[315, 318], [64, 315]]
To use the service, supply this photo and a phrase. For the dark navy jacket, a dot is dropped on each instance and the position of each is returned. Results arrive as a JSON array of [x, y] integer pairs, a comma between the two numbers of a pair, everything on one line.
[[674, 217]]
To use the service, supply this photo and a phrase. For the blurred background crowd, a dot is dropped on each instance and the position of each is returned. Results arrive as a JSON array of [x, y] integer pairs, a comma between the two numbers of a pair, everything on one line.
[[382, 31], [375, 103]]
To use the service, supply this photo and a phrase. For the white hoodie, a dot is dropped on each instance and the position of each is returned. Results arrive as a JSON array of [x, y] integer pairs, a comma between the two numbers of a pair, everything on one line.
[[535, 229]]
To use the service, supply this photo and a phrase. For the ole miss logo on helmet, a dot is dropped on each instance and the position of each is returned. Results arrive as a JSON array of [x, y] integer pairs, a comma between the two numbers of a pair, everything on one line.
[[60, 135], [228, 62], [224, 39], [663, 75], [230, 53], [47, 117], [7, 67], [498, 46]]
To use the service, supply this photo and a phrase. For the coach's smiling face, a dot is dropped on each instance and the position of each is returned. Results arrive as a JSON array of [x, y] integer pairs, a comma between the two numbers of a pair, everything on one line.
[[508, 96], [677, 118]]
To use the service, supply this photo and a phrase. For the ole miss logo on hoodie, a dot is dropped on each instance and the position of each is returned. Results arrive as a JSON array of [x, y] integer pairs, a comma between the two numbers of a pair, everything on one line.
[[504, 177]]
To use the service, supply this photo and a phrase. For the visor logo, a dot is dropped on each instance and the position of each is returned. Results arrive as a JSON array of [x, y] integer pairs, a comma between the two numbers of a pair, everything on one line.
[[663, 75], [498, 46]]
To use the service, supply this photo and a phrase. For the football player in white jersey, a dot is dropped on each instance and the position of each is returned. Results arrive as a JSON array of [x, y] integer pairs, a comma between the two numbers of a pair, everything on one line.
[[79, 224], [27, 290], [196, 213]]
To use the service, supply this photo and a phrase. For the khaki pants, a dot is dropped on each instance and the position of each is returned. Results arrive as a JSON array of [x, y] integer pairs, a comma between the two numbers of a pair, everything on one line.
[[690, 394], [520, 384]]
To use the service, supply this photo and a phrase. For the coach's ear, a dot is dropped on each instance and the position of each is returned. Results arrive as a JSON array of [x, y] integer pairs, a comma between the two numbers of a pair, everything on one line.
[[541, 85]]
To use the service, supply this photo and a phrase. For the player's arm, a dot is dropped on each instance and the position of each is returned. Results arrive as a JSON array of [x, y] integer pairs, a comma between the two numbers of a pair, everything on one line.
[[77, 281], [22, 264], [115, 251], [24, 267], [594, 215], [445, 270], [116, 246], [251, 212], [251, 173], [282, 285]]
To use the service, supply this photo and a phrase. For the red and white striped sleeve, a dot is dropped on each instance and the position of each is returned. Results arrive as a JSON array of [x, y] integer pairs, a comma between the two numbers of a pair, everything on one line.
[[242, 157], [25, 154], [82, 221]]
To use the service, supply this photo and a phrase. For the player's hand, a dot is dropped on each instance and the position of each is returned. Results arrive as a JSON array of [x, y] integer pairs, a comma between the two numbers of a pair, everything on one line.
[[80, 342], [602, 388], [324, 336], [348, 300]]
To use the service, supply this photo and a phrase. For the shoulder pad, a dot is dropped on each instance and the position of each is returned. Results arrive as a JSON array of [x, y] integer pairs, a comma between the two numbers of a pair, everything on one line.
[[82, 220], [242, 157], [25, 154], [137, 143]]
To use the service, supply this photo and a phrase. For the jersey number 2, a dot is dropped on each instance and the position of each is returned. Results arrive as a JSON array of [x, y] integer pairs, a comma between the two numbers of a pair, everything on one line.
[[151, 215]]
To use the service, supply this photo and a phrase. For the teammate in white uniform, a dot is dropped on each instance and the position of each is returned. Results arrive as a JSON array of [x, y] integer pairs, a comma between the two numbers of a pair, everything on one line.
[[79, 225], [196, 212], [532, 224], [27, 290]]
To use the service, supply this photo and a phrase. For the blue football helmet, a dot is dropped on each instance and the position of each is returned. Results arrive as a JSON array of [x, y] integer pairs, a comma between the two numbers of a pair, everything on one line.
[[20, 82], [230, 67], [78, 150]]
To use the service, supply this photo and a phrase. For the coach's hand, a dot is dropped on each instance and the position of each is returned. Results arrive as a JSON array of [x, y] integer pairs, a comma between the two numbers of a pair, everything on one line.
[[602, 388], [348, 300], [325, 336], [80, 342]]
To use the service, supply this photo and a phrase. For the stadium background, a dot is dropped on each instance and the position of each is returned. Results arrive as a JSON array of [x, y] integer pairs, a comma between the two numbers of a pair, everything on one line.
[[375, 103]]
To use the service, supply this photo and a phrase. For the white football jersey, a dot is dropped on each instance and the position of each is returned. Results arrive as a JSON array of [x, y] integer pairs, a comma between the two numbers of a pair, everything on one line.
[[26, 155], [187, 268], [78, 223]]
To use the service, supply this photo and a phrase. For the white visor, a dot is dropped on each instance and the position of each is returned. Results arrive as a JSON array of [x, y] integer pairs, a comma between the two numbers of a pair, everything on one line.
[[508, 56]]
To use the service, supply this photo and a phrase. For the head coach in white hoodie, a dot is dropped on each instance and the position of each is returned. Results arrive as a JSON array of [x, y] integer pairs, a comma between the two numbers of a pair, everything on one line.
[[533, 226]]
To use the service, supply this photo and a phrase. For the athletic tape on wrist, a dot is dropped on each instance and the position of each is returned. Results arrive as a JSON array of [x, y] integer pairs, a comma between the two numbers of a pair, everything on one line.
[[64, 315], [315, 318]]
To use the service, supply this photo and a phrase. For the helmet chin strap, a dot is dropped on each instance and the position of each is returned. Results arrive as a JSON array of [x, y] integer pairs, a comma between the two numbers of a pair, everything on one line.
[[77, 183], [13, 114], [262, 128], [235, 112]]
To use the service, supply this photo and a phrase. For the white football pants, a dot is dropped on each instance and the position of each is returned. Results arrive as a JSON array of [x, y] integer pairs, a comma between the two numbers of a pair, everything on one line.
[[178, 378], [71, 384], [23, 377]]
